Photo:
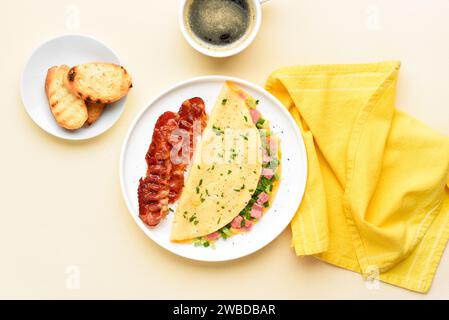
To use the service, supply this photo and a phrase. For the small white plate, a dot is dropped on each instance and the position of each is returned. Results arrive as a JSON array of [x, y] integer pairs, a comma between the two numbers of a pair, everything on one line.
[[293, 176], [70, 50]]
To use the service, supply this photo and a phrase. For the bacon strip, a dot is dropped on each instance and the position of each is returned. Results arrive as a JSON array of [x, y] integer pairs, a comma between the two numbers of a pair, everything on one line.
[[164, 179], [191, 113]]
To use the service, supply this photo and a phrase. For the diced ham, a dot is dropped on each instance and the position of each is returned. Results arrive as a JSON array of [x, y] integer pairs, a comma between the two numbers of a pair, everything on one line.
[[265, 157], [255, 115], [258, 206], [237, 222], [256, 213], [248, 225], [267, 173], [213, 236], [273, 146], [263, 198]]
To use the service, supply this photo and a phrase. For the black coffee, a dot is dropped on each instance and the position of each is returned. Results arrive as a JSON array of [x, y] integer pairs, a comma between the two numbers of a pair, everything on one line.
[[219, 22]]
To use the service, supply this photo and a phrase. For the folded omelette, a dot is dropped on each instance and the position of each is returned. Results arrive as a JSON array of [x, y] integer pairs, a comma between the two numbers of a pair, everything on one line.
[[225, 170]]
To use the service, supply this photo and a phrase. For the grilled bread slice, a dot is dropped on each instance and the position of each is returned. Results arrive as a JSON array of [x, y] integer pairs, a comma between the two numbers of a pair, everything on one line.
[[69, 110], [94, 111], [99, 82]]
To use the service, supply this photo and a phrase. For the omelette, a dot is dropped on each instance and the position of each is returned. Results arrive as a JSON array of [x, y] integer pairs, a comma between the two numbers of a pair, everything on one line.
[[225, 171]]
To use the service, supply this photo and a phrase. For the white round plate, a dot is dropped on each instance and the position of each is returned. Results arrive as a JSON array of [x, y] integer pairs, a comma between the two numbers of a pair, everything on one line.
[[70, 50], [287, 199]]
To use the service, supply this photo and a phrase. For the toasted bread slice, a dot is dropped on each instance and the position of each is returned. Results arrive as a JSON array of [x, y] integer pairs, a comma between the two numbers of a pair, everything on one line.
[[94, 111], [99, 82], [68, 109]]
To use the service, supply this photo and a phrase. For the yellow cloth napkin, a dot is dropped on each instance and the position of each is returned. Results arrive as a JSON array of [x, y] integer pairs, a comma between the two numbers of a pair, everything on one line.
[[377, 195]]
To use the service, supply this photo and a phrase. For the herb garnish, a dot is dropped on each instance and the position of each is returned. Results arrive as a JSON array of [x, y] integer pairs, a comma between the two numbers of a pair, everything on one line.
[[218, 131], [193, 219]]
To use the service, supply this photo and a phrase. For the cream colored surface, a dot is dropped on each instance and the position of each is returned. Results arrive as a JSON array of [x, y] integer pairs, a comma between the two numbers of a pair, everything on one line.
[[61, 210]]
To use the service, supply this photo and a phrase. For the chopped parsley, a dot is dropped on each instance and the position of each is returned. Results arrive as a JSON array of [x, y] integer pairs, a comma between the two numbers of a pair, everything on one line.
[[218, 131], [193, 219]]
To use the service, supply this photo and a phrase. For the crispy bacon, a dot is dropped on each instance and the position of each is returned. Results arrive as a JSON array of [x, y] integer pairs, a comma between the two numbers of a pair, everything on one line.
[[192, 113], [164, 178]]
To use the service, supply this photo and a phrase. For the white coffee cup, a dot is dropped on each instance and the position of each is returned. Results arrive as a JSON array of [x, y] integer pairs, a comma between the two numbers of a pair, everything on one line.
[[225, 51]]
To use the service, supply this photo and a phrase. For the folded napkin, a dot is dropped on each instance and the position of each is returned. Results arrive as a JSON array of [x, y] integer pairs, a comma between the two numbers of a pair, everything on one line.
[[377, 195]]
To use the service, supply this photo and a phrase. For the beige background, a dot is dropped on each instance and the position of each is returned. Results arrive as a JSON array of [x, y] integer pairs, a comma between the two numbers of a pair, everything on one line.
[[60, 202]]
